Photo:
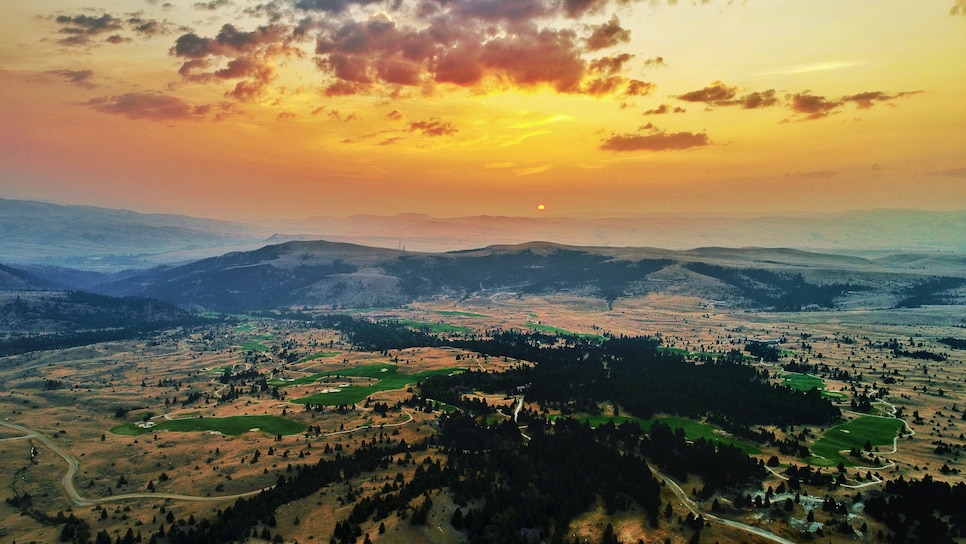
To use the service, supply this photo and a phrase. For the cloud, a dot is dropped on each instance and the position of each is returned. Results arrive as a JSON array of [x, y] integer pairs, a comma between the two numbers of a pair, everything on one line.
[[501, 10], [212, 5], [813, 106], [658, 141], [762, 99], [609, 34], [868, 99], [721, 94], [609, 65], [80, 28], [228, 41], [716, 93], [81, 78], [959, 8], [331, 6], [813, 174], [656, 61], [394, 115], [251, 57], [664, 109], [433, 127], [951, 173], [152, 106]]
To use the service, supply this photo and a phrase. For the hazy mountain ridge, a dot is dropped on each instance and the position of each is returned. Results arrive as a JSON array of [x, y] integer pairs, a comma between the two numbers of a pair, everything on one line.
[[344, 275], [90, 238], [107, 239]]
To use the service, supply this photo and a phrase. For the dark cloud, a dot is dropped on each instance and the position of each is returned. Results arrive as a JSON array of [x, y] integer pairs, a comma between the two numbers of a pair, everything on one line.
[[229, 41], [660, 141], [212, 5], [656, 61], [394, 115], [433, 127], [88, 24], [762, 99], [82, 27], [959, 8], [609, 65], [331, 6], [717, 93], [664, 109], [81, 78], [636, 87], [501, 10], [251, 57], [576, 8], [545, 56], [868, 99], [813, 106], [607, 35], [152, 106]]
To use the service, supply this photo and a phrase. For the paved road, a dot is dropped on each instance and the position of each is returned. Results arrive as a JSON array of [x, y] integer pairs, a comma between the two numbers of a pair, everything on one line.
[[73, 466]]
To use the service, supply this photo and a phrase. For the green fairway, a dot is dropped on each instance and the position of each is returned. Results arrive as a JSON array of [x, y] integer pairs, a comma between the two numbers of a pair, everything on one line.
[[433, 328], [562, 332], [692, 429], [460, 314], [807, 382], [234, 425], [319, 355], [388, 375], [879, 431], [253, 346]]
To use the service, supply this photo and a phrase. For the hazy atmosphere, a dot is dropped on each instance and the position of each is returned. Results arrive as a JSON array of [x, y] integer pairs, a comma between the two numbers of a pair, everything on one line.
[[248, 110]]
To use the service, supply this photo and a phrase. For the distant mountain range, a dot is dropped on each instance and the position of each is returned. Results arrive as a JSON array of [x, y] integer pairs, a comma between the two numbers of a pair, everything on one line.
[[102, 239], [339, 275], [106, 240]]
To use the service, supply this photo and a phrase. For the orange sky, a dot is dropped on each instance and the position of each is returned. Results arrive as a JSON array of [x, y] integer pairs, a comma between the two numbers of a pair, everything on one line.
[[254, 109]]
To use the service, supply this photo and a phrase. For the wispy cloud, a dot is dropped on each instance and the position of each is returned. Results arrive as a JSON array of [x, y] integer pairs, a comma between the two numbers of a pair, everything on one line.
[[810, 68]]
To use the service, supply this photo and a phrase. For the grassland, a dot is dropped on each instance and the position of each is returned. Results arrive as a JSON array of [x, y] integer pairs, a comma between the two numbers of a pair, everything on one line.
[[233, 425], [388, 375], [460, 314], [563, 332], [878, 431], [319, 355]]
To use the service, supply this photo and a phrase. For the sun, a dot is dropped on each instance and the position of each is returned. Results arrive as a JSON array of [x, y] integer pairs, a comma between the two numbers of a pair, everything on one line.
[[541, 207]]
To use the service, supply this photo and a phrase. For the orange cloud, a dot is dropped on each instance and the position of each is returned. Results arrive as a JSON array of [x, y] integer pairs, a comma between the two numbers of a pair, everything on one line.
[[659, 141]]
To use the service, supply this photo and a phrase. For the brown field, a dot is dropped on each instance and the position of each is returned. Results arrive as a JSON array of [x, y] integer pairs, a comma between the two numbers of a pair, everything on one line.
[[153, 378]]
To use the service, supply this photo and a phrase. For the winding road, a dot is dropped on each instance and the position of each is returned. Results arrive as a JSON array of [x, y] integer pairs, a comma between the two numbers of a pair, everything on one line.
[[73, 466], [689, 504]]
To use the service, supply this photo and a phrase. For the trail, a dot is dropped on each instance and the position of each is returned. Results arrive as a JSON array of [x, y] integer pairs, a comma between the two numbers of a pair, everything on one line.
[[73, 466], [689, 504]]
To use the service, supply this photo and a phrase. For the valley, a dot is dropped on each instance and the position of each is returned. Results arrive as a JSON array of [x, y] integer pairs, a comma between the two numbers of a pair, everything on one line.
[[187, 420]]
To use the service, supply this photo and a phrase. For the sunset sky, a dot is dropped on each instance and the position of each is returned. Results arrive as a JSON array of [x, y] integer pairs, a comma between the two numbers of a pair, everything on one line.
[[243, 109]]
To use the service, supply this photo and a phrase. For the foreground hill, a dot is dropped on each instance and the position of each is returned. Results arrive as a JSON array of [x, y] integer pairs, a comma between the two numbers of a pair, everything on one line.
[[335, 275]]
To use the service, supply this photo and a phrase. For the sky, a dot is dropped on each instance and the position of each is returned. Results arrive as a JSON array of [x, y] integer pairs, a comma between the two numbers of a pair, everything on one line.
[[246, 110]]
